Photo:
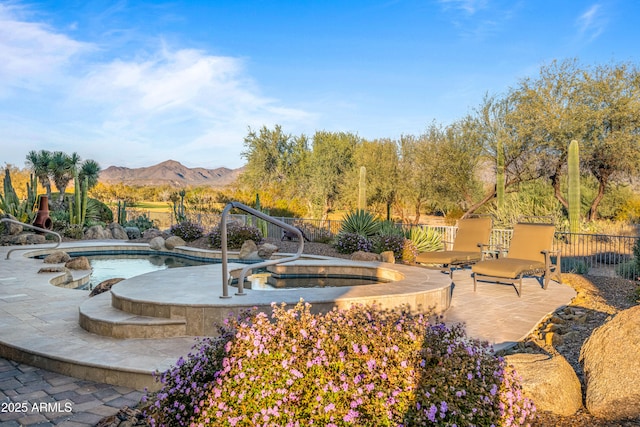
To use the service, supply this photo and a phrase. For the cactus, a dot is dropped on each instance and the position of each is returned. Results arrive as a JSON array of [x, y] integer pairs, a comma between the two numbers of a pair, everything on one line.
[[178, 209], [23, 210], [499, 175], [573, 163], [362, 189], [122, 212], [78, 205]]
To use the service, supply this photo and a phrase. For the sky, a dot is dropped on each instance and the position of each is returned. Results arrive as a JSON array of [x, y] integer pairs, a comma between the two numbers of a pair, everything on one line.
[[134, 83]]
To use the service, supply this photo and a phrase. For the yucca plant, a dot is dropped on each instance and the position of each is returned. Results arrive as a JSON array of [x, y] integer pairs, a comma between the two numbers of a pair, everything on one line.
[[389, 228], [360, 222], [425, 239]]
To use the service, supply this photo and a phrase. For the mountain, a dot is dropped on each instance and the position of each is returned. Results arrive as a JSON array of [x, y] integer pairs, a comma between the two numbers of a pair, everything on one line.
[[172, 173]]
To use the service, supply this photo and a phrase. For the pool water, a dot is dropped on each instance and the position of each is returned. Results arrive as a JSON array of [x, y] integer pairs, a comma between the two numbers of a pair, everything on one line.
[[127, 266], [268, 282]]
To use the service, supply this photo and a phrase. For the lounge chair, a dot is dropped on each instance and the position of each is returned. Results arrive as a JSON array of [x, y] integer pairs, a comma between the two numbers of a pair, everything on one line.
[[472, 235], [530, 253]]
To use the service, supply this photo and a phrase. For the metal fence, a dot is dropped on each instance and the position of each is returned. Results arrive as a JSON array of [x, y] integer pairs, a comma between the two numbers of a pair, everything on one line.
[[597, 254]]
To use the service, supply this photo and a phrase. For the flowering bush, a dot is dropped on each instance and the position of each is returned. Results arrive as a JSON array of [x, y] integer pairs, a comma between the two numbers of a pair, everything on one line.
[[237, 234], [363, 366], [348, 243], [187, 231], [385, 243]]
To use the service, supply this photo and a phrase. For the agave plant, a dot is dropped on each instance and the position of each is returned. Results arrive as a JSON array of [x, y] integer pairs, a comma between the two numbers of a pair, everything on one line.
[[425, 239], [360, 222]]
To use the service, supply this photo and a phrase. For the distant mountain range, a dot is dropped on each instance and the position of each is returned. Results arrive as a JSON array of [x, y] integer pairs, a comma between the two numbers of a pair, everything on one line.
[[170, 173]]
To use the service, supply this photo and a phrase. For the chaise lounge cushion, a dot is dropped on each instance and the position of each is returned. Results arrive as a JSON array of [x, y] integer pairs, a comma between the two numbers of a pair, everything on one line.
[[507, 267], [448, 257]]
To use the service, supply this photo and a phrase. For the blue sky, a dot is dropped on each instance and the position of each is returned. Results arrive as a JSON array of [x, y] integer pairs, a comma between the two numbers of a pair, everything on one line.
[[134, 83]]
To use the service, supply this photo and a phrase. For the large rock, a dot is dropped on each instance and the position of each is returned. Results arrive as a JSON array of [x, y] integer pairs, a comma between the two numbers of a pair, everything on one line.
[[266, 250], [57, 257], [117, 231], [152, 233], [249, 250], [388, 256], [612, 367], [133, 232], [97, 232], [10, 227], [79, 263], [36, 239], [549, 381], [364, 256], [173, 242], [157, 243], [105, 286]]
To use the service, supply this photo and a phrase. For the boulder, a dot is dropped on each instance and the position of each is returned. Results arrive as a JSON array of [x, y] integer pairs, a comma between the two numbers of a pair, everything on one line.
[[549, 381], [18, 239], [52, 269], [105, 286], [612, 367], [388, 256], [152, 233], [364, 256], [157, 243], [173, 242], [67, 277], [97, 232], [266, 250], [36, 239], [79, 263], [11, 228], [57, 257], [249, 250], [117, 231], [133, 233]]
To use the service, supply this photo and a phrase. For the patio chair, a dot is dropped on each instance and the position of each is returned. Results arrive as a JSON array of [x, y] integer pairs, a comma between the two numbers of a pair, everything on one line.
[[473, 234], [530, 254]]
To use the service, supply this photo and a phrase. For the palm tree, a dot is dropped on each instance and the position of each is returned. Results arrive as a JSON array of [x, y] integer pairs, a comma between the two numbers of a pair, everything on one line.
[[90, 169], [62, 168], [39, 163]]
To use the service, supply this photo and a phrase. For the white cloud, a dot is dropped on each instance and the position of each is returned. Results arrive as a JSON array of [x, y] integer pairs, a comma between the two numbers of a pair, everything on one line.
[[591, 23], [166, 100], [468, 6]]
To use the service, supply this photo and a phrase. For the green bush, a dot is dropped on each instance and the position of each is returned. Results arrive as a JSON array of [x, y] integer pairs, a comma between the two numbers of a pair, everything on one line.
[[360, 222], [142, 222], [187, 231], [389, 243], [363, 366], [237, 234], [389, 228], [425, 239], [574, 265]]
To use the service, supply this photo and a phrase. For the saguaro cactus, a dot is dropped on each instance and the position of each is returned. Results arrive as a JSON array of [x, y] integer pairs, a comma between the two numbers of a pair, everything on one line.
[[573, 163], [362, 189], [78, 205], [499, 174]]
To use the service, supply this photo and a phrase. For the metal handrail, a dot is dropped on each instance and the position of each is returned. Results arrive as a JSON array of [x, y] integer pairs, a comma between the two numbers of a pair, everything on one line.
[[223, 241], [43, 230]]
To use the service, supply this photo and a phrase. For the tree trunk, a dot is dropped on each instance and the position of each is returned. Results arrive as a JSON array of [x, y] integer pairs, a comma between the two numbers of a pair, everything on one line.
[[593, 210], [555, 182], [418, 204], [490, 195]]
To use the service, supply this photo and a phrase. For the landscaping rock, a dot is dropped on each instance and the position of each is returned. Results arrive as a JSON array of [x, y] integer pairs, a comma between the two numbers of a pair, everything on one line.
[[157, 243], [117, 231], [133, 233], [249, 250], [549, 381], [36, 239], [612, 367], [173, 242], [388, 256], [57, 257], [79, 263], [266, 250], [97, 232], [364, 256], [11, 228], [152, 233], [52, 269], [105, 286]]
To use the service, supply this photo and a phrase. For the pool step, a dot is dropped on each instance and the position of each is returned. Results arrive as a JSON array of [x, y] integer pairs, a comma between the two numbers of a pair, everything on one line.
[[98, 316]]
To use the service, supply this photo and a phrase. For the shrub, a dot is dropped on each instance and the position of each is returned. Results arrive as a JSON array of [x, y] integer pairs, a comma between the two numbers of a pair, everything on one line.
[[348, 243], [187, 231], [389, 228], [73, 231], [142, 222], [574, 265], [409, 252], [389, 243], [425, 239], [237, 234], [360, 222], [363, 366]]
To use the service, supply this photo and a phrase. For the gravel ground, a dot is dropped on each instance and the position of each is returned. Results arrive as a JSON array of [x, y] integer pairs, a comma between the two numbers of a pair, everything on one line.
[[598, 299]]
